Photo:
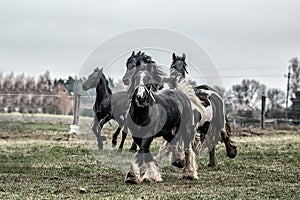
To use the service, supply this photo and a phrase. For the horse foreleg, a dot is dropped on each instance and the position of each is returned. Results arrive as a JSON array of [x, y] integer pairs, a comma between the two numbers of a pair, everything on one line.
[[152, 172], [134, 174], [100, 124], [212, 158], [95, 126], [97, 132]]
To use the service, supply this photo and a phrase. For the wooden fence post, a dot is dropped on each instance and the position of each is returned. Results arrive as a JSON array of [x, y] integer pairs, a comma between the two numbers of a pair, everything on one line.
[[263, 110], [74, 128]]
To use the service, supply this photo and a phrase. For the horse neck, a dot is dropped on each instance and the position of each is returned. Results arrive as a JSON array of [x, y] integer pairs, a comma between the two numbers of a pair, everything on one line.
[[102, 92], [174, 72]]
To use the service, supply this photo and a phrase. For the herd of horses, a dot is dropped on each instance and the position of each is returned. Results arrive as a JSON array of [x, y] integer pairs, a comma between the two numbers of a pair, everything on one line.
[[190, 119]]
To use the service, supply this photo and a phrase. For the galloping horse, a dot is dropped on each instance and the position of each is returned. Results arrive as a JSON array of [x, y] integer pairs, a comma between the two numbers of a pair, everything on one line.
[[166, 113], [214, 111], [107, 106]]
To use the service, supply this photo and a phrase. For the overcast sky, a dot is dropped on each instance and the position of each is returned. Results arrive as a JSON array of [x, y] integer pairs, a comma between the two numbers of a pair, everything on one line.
[[245, 39]]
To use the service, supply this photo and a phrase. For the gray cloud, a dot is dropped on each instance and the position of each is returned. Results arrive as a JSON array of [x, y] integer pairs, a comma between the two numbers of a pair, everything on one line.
[[58, 35]]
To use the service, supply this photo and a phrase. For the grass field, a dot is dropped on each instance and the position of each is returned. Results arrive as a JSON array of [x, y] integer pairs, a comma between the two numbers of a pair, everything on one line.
[[44, 161]]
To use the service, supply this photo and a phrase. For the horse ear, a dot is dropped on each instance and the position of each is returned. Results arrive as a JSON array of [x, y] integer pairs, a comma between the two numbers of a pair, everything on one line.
[[174, 56], [183, 56], [101, 69], [133, 53]]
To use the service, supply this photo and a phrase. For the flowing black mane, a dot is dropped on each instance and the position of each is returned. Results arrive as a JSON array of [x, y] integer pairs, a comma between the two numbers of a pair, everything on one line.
[[103, 78], [155, 72], [141, 56]]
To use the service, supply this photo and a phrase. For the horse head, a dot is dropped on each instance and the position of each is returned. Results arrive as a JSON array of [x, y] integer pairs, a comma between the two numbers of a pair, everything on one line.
[[178, 66], [133, 63], [93, 79]]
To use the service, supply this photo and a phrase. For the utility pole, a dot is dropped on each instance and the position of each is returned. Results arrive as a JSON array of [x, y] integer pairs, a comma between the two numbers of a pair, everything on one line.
[[287, 94], [263, 111]]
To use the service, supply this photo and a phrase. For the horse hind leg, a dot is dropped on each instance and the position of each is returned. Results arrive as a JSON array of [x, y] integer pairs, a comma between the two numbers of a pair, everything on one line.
[[133, 147], [124, 134], [190, 169], [115, 137], [177, 159]]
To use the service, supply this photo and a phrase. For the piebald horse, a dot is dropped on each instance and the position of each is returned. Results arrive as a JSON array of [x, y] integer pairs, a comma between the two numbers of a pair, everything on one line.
[[166, 113]]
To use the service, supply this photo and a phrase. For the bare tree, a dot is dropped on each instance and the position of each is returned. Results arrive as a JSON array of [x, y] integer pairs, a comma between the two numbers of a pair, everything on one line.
[[276, 98], [19, 83], [44, 83], [249, 92]]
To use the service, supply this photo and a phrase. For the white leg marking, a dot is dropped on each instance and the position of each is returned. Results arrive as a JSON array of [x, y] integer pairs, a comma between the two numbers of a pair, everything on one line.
[[152, 173], [190, 170]]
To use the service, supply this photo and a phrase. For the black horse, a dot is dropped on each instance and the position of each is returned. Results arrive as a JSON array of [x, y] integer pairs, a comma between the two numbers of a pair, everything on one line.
[[157, 75], [107, 106], [165, 113], [214, 106]]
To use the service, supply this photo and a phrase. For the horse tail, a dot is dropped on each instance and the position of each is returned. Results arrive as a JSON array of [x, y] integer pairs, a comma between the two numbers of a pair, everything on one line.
[[231, 149], [217, 123]]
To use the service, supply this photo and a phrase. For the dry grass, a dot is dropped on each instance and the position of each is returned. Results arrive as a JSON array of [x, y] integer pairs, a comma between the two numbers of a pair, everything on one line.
[[55, 164]]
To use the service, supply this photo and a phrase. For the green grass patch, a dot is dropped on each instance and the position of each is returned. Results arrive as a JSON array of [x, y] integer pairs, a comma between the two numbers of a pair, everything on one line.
[[267, 167], [25, 127]]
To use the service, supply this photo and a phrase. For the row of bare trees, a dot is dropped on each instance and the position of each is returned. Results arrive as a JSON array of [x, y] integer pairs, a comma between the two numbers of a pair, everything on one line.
[[249, 93], [22, 93]]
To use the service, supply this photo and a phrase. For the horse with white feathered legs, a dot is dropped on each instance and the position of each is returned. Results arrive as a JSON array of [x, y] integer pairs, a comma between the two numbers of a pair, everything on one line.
[[214, 125], [166, 113]]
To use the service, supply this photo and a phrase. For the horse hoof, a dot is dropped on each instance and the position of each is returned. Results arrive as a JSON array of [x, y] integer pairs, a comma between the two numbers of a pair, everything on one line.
[[152, 179], [119, 150], [113, 143], [103, 138], [190, 177], [133, 150], [145, 180], [131, 179], [179, 163], [100, 145], [211, 165]]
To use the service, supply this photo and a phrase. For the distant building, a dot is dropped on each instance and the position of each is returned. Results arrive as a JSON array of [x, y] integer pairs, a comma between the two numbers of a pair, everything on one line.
[[294, 112]]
